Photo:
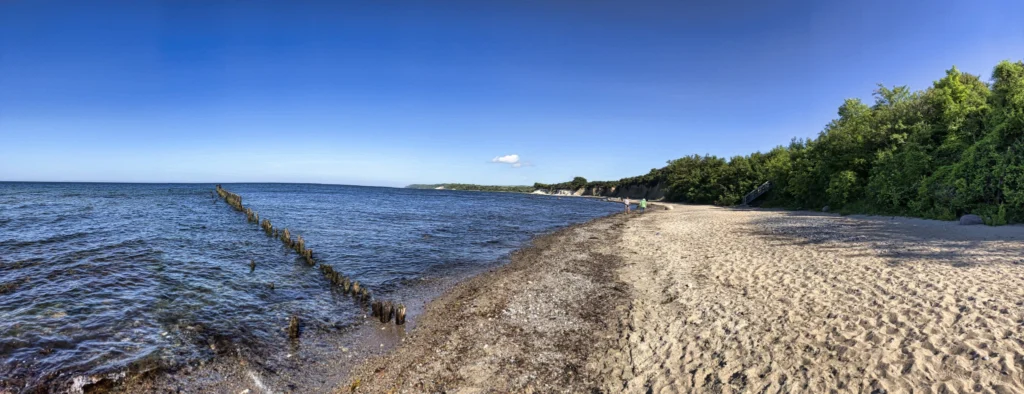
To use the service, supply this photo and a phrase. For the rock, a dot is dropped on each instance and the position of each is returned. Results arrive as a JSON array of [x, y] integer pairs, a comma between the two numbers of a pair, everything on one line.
[[970, 220], [826, 208], [89, 384]]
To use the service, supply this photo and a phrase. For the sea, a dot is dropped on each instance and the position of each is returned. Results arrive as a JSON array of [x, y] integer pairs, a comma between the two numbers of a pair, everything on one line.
[[100, 278]]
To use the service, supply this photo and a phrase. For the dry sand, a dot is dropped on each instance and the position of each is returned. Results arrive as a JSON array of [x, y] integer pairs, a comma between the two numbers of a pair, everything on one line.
[[705, 299]]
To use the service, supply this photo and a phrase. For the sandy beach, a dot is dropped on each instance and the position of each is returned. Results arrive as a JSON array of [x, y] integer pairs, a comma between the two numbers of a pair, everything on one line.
[[707, 299]]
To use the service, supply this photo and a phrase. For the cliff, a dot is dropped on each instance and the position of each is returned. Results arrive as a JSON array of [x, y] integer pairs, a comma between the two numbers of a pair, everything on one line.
[[634, 191]]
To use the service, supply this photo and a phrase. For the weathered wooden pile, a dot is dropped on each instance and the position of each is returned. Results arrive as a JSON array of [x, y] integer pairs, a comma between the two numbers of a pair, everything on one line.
[[339, 281], [293, 327], [386, 311], [234, 200]]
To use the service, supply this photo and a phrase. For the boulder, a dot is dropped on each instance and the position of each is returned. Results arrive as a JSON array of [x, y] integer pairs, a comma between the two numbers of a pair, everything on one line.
[[970, 220], [826, 209]]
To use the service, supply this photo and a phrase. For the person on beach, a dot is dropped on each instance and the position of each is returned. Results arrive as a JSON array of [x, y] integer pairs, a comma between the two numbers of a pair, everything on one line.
[[643, 205], [626, 201]]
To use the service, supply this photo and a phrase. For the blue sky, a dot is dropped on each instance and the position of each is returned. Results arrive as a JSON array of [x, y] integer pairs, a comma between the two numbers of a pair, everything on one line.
[[391, 93]]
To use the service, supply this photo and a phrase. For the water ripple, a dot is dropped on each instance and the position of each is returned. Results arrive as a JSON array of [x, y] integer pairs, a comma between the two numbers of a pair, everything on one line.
[[99, 277]]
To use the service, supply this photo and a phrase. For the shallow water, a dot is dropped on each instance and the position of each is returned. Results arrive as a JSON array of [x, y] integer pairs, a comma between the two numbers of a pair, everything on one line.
[[98, 277]]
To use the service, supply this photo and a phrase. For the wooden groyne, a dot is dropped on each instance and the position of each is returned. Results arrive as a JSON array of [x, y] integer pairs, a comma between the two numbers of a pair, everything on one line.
[[338, 280]]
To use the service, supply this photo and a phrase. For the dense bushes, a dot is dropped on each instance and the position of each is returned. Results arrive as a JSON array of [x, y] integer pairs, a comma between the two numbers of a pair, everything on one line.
[[575, 184], [953, 149]]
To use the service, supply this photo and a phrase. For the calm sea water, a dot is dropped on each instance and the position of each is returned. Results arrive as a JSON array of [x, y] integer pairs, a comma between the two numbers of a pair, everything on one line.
[[98, 277]]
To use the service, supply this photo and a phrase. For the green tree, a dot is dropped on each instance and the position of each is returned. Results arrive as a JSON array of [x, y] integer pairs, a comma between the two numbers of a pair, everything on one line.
[[578, 182], [955, 148]]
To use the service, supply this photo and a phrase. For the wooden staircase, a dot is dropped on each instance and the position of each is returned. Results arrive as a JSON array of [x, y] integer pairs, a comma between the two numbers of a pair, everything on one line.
[[761, 190]]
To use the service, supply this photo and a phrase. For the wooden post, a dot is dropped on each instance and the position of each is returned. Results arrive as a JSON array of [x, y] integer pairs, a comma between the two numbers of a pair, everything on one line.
[[386, 311], [293, 327], [400, 314], [375, 309]]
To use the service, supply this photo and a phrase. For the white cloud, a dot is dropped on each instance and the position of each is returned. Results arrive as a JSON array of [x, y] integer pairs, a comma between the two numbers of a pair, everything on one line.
[[517, 165], [507, 159]]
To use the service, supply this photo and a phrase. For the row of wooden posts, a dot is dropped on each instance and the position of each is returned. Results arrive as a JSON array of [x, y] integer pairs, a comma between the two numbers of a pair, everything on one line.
[[385, 311]]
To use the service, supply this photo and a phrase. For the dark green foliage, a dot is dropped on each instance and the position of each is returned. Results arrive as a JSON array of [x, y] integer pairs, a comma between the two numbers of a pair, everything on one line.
[[575, 184], [953, 149]]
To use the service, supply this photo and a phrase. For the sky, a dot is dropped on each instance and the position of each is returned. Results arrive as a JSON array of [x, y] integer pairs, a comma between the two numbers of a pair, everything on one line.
[[390, 93]]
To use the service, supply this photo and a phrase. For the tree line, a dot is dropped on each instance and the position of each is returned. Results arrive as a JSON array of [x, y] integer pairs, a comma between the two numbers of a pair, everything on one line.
[[472, 187], [954, 148]]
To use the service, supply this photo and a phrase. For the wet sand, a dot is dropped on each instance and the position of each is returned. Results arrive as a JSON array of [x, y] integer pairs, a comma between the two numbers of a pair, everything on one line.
[[706, 299], [528, 326]]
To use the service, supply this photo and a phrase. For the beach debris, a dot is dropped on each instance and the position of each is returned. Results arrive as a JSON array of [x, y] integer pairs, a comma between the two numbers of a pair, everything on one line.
[[92, 384], [293, 327], [400, 314]]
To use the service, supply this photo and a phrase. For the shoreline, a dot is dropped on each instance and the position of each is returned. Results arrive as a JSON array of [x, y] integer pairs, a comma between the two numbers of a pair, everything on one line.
[[711, 299], [686, 298], [524, 326], [319, 362]]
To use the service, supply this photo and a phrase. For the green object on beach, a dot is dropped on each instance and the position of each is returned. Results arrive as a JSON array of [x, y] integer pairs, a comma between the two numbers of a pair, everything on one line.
[[643, 203]]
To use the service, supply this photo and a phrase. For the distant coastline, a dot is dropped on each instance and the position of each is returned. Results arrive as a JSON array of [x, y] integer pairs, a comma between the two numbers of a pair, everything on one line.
[[471, 187], [648, 187]]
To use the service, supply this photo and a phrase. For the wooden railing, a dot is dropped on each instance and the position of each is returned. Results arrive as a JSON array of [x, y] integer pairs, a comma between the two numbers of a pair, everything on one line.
[[761, 190]]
